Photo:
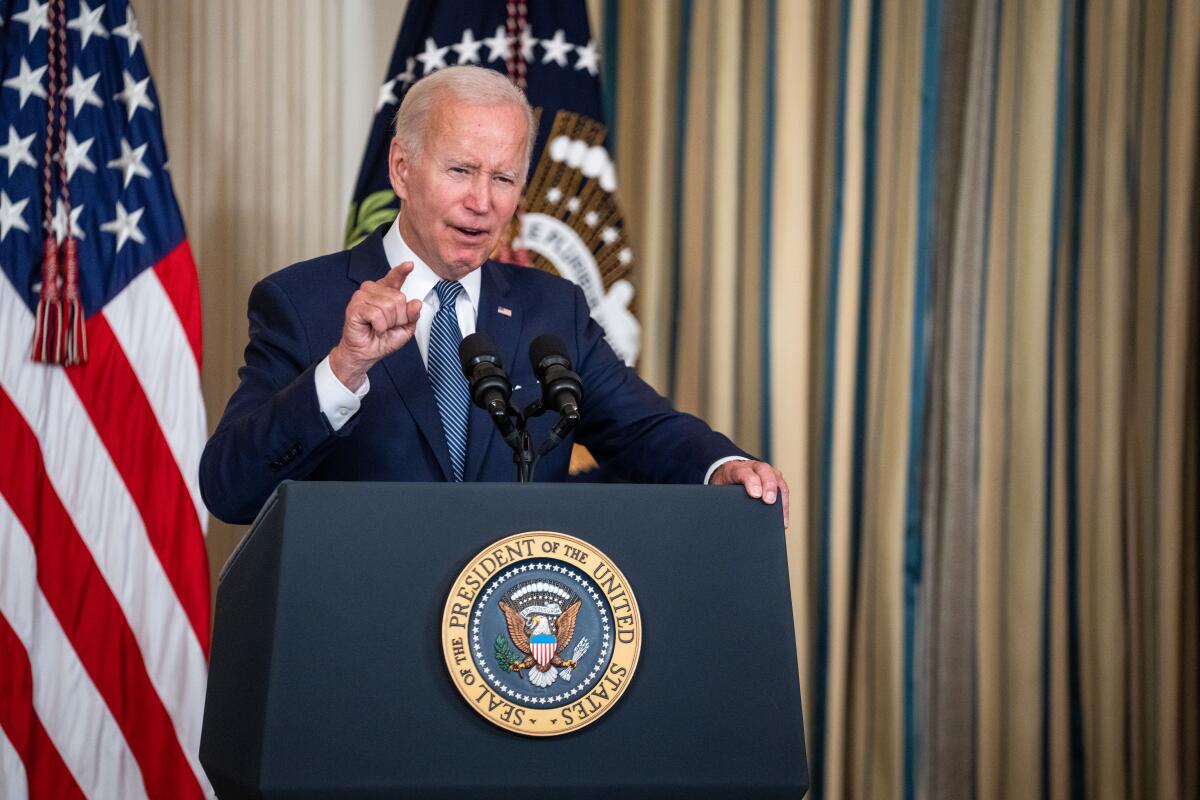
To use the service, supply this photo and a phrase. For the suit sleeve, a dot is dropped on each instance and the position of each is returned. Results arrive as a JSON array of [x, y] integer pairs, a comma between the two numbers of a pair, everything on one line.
[[272, 428], [631, 428]]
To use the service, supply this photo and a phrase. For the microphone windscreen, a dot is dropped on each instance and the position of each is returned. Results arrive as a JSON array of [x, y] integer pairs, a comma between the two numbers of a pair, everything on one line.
[[545, 346], [474, 346]]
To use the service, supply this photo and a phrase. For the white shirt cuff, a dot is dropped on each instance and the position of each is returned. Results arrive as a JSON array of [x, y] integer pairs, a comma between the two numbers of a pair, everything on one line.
[[337, 403], [716, 464]]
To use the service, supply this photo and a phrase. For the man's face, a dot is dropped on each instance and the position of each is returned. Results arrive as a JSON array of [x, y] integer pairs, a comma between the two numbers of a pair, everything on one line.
[[463, 189]]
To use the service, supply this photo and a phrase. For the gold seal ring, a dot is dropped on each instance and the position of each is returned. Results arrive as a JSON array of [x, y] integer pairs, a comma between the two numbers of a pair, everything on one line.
[[541, 633]]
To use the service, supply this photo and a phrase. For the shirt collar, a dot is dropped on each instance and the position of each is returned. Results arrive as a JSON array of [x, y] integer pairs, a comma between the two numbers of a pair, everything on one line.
[[421, 282]]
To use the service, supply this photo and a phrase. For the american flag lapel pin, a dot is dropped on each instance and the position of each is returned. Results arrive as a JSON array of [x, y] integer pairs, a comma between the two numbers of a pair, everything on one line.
[[504, 310]]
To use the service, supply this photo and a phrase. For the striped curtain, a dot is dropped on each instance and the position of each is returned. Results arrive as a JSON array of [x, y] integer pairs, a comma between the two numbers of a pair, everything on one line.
[[937, 261]]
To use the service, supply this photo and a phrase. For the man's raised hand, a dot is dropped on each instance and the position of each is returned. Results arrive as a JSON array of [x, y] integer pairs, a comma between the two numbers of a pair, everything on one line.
[[379, 321]]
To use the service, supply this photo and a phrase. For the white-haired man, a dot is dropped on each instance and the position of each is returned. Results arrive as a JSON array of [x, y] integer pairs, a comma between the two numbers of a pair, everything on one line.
[[335, 388]]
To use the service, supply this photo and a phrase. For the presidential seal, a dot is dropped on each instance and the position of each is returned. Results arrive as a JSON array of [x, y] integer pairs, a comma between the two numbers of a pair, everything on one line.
[[541, 633]]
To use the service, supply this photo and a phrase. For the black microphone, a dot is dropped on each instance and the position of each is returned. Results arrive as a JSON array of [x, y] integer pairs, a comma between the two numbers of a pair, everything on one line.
[[562, 389], [490, 386]]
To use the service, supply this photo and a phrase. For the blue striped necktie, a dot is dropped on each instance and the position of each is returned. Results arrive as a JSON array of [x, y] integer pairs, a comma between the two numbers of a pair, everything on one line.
[[449, 384]]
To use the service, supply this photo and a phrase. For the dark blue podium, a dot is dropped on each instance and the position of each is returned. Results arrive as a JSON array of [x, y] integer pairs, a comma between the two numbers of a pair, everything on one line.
[[327, 677]]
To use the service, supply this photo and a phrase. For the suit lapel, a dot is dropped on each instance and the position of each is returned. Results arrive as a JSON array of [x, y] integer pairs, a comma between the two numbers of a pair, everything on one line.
[[411, 380], [404, 367], [500, 318]]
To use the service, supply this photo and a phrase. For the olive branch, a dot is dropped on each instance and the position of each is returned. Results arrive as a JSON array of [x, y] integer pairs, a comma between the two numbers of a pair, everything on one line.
[[505, 656]]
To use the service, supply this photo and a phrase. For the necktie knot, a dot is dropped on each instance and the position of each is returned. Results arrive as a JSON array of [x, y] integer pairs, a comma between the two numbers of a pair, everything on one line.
[[448, 292]]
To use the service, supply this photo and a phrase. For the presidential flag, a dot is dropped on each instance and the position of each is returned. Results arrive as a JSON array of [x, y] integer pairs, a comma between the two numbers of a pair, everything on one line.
[[571, 222], [104, 587]]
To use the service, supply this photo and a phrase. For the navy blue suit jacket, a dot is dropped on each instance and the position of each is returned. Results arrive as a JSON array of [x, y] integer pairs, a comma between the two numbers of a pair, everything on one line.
[[273, 428]]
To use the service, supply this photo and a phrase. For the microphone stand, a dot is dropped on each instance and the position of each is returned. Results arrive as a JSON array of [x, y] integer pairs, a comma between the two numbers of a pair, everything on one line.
[[524, 458], [516, 435]]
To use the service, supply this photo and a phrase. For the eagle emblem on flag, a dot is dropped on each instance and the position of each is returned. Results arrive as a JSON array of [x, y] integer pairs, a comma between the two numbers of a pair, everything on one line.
[[541, 628]]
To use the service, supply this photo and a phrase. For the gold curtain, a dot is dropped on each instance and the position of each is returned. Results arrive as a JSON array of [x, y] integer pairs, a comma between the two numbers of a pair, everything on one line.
[[936, 261]]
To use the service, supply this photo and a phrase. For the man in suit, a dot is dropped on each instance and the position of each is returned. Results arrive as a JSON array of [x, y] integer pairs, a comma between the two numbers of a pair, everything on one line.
[[351, 370]]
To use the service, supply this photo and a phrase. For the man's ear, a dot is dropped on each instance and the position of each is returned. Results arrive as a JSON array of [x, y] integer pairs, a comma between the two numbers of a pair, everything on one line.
[[398, 166]]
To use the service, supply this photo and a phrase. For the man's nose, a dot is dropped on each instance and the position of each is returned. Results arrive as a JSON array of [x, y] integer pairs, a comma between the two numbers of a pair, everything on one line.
[[479, 195]]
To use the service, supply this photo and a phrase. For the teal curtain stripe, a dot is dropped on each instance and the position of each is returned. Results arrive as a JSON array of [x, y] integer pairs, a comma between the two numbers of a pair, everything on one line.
[[914, 517], [1061, 165], [608, 97], [820, 649], [862, 356], [767, 255], [684, 61], [1074, 669]]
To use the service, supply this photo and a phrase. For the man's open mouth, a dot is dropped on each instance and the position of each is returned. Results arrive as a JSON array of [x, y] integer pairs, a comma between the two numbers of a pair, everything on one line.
[[472, 233]]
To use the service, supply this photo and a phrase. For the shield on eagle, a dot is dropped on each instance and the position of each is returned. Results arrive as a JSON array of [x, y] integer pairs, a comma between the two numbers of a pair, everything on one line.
[[543, 649]]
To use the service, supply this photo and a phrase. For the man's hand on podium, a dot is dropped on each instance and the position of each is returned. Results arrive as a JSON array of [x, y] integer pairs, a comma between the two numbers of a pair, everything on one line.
[[760, 479]]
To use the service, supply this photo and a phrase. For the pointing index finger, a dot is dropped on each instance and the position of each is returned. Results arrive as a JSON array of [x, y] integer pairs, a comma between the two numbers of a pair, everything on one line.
[[396, 276]]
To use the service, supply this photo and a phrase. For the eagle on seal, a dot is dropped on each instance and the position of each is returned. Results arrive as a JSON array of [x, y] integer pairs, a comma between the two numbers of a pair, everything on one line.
[[541, 638]]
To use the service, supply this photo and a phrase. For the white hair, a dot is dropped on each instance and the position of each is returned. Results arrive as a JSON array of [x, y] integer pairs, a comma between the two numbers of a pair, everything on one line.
[[467, 84]]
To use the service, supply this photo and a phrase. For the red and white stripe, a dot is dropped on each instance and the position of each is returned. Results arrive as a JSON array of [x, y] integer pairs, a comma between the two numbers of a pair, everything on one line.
[[13, 782], [543, 653], [104, 598]]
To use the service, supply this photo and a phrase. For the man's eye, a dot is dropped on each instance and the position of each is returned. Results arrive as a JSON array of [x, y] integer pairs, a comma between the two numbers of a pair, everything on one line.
[[459, 170], [505, 180]]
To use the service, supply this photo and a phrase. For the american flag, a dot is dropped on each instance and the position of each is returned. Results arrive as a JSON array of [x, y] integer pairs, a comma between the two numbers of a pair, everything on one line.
[[104, 588]]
